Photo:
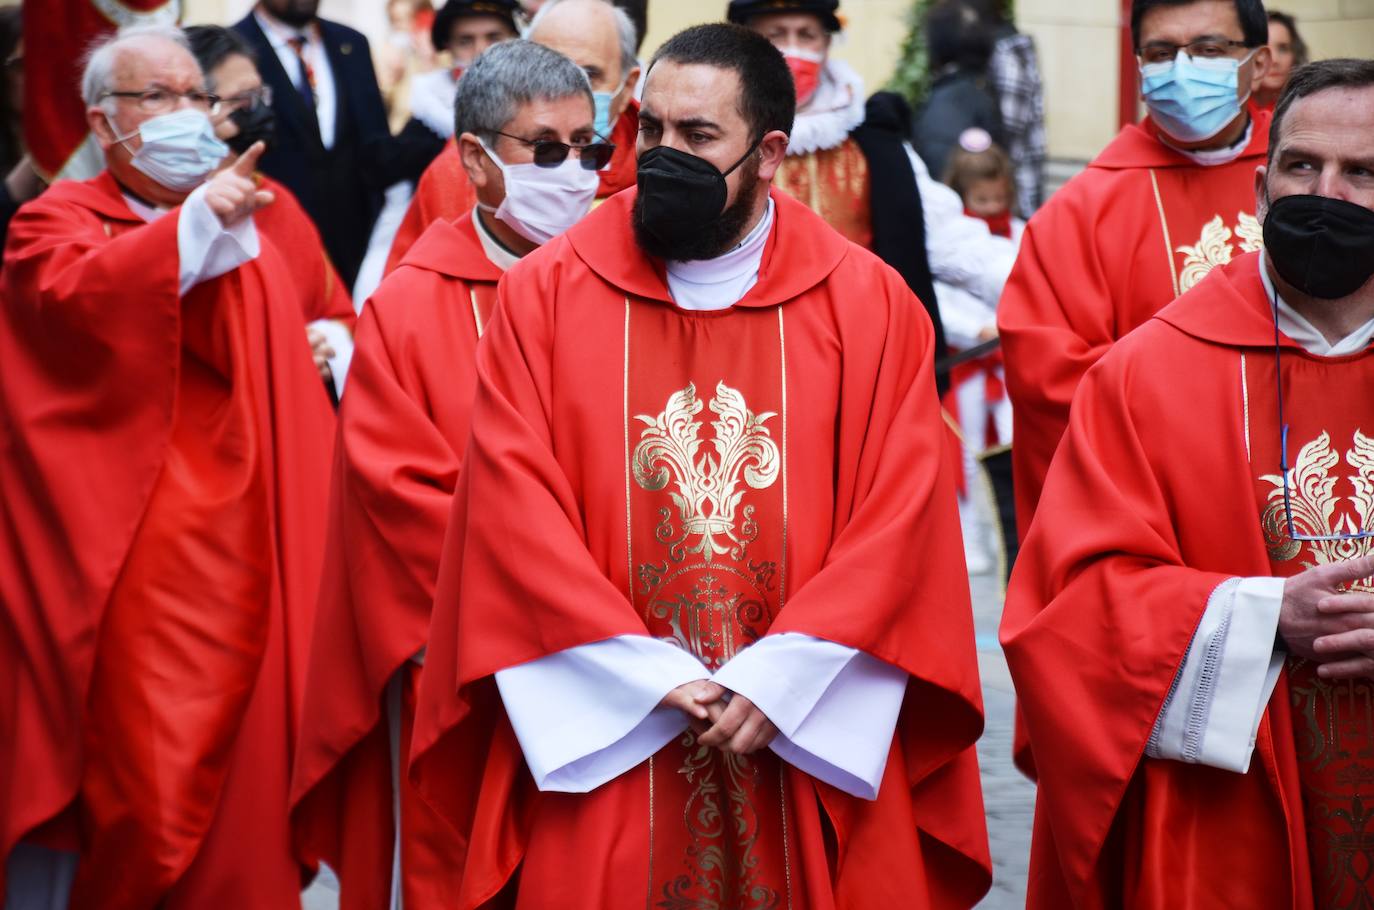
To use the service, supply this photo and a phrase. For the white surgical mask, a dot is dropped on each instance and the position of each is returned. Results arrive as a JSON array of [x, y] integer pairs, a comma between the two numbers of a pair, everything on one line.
[[543, 202], [179, 149]]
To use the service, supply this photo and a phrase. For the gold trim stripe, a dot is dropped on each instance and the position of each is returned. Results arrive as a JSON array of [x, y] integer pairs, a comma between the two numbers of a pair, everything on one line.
[[1245, 403], [476, 312], [1164, 223], [782, 351]]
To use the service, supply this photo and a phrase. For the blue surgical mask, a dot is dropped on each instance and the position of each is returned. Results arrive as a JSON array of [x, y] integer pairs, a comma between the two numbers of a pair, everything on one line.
[[601, 101], [1193, 98], [179, 149]]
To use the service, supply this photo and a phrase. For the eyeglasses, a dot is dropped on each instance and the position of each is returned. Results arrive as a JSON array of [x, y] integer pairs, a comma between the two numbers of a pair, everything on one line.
[[161, 100], [1283, 453], [246, 101], [1205, 48], [550, 153]]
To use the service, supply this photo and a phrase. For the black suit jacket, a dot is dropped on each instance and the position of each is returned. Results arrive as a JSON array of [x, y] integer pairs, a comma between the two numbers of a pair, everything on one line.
[[340, 187]]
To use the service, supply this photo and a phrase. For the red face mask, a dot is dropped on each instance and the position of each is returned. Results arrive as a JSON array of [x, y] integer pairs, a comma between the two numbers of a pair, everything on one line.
[[806, 72]]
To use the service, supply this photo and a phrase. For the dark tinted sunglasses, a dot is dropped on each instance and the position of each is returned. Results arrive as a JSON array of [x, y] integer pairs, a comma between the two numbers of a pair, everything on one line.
[[548, 153]]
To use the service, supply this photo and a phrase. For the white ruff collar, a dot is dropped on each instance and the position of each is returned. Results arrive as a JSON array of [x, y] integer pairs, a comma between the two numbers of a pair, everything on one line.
[[835, 110]]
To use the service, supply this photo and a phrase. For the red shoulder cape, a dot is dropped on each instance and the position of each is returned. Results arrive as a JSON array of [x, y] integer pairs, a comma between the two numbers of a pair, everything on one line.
[[324, 294], [89, 400], [402, 429], [444, 192], [1139, 524], [521, 502], [1120, 241]]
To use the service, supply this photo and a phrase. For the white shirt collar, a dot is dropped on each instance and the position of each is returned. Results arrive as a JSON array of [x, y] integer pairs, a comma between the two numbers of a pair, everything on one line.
[[1297, 327], [148, 213], [279, 33], [496, 251], [1214, 157], [716, 284], [833, 112]]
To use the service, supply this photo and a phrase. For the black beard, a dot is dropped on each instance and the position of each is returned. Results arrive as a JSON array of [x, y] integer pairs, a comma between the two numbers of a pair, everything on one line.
[[295, 13], [719, 237]]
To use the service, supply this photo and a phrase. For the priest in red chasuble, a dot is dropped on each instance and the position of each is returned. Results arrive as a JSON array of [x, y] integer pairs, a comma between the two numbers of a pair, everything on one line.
[[525, 116], [162, 498], [701, 633], [1166, 202], [1191, 623], [599, 37]]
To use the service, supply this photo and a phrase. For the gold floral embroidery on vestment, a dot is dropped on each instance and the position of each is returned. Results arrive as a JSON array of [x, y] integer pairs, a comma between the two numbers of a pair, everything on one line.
[[707, 495], [1214, 248], [1315, 505]]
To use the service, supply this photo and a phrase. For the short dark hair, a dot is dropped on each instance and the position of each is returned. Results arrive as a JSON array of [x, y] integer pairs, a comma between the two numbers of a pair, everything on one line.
[[213, 44], [956, 32], [767, 97], [1254, 24], [1299, 45], [1342, 72]]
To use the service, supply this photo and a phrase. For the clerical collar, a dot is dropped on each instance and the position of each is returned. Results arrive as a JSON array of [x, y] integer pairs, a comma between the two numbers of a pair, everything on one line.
[[1215, 157], [1297, 327], [832, 113], [500, 255], [141, 207], [720, 283]]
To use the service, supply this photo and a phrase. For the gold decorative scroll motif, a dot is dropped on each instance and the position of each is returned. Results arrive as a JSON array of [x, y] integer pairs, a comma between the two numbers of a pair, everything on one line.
[[1214, 247]]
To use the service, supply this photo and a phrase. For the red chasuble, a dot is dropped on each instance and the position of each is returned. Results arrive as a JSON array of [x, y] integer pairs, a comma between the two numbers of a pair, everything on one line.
[[444, 192], [324, 296], [162, 501], [402, 429], [705, 478], [1167, 484], [1121, 240]]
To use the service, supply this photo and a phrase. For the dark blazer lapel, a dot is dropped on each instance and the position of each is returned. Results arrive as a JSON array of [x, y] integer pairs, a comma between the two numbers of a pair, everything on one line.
[[272, 71]]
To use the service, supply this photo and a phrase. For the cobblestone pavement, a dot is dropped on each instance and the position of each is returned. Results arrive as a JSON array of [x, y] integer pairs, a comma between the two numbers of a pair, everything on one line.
[[1008, 795]]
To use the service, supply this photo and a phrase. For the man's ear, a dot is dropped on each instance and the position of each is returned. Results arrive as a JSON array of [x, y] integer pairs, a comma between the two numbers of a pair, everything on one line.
[[101, 127], [1261, 192], [1260, 65], [772, 150], [474, 158], [631, 82]]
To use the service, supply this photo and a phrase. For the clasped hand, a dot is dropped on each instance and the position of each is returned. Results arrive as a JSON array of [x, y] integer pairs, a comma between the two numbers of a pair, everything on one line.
[[1322, 621], [733, 724]]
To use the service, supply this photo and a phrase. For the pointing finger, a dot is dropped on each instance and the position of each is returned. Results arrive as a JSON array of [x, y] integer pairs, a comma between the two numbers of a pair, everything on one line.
[[248, 161]]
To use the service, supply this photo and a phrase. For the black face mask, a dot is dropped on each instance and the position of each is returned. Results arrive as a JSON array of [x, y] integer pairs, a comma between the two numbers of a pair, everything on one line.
[[257, 123], [680, 195], [1323, 247]]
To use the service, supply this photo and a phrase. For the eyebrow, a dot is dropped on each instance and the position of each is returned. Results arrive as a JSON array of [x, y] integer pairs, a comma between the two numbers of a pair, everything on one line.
[[1288, 153], [1194, 40]]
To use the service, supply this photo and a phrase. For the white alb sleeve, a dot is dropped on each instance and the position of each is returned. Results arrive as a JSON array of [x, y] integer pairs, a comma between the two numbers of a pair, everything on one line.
[[588, 714], [206, 248], [1213, 710], [835, 707], [336, 333], [961, 250]]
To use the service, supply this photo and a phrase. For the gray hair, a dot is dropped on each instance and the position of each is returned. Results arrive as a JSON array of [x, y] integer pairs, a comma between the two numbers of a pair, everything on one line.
[[624, 26], [98, 76], [508, 75]]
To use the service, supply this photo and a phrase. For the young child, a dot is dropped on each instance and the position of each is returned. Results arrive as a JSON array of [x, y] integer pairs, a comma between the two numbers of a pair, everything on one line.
[[981, 173]]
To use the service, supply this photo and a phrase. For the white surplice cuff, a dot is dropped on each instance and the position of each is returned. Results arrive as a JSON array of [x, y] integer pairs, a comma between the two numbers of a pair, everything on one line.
[[588, 714], [835, 707], [208, 249], [336, 333], [1212, 713]]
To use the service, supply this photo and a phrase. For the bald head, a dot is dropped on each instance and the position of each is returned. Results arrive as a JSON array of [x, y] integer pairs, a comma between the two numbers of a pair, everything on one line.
[[595, 34], [124, 57]]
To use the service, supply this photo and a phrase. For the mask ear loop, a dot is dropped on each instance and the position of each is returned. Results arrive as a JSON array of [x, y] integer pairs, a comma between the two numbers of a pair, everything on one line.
[[745, 157]]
